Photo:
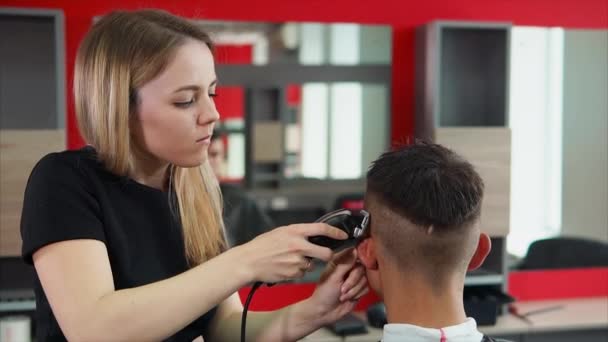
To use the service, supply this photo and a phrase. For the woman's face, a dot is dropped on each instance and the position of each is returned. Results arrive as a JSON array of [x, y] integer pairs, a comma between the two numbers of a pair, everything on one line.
[[176, 112]]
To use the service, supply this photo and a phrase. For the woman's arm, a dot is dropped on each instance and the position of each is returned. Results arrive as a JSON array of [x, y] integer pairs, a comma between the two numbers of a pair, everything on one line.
[[77, 280], [287, 324]]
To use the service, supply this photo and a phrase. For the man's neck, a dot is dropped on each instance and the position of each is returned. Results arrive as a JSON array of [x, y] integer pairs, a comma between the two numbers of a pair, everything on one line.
[[413, 300]]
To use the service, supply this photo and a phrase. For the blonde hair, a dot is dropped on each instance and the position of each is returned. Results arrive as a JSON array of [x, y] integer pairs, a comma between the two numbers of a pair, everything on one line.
[[122, 52]]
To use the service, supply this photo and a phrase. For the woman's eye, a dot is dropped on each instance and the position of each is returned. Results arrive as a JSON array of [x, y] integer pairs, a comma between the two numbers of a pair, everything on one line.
[[184, 104], [213, 95]]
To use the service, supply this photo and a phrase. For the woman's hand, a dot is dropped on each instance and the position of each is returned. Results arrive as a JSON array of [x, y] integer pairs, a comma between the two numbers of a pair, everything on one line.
[[342, 284], [284, 253]]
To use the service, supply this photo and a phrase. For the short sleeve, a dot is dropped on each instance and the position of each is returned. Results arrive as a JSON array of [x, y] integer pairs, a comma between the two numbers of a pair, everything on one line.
[[58, 205]]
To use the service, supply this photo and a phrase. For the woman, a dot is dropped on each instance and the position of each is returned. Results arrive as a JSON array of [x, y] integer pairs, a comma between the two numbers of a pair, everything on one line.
[[126, 234]]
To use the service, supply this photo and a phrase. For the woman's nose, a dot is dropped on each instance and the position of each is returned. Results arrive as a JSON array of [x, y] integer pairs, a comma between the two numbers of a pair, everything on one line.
[[208, 113]]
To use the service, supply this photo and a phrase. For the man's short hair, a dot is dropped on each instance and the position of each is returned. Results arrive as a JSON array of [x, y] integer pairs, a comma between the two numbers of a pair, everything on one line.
[[423, 198]]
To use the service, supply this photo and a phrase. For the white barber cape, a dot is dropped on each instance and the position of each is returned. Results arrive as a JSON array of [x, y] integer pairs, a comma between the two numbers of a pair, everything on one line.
[[464, 332]]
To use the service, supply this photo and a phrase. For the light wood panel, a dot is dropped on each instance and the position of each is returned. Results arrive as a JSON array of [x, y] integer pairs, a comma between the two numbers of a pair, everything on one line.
[[489, 150], [20, 150], [267, 141]]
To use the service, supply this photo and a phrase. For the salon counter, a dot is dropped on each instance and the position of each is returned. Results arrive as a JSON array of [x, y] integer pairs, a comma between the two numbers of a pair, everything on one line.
[[583, 319]]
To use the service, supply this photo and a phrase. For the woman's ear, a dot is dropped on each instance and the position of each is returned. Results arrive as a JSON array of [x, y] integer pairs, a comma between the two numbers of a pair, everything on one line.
[[483, 248], [367, 254]]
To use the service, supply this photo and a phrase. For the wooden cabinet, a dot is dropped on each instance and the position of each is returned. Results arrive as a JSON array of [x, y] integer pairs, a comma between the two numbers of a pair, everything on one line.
[[462, 96], [32, 107], [489, 150], [20, 150], [462, 75]]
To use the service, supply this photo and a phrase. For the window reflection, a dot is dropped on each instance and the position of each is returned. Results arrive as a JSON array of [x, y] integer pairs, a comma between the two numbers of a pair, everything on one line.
[[260, 43], [345, 130], [314, 125], [334, 130]]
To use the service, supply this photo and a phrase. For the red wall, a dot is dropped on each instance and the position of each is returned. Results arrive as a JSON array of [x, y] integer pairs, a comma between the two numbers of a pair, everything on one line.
[[231, 100], [403, 15]]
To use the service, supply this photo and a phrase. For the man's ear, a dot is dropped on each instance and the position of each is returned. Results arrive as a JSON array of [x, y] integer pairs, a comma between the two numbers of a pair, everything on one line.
[[367, 254], [483, 248]]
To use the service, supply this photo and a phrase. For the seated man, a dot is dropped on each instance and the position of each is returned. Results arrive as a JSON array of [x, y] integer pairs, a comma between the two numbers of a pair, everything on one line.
[[424, 202], [243, 218]]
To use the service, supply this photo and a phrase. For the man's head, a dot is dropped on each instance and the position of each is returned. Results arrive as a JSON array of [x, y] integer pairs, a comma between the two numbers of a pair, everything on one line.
[[425, 202]]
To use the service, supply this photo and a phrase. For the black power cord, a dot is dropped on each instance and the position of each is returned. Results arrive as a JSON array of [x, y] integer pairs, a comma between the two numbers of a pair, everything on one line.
[[254, 288]]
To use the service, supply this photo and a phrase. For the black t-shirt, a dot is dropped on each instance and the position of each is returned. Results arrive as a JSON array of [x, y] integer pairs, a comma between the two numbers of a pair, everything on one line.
[[70, 195]]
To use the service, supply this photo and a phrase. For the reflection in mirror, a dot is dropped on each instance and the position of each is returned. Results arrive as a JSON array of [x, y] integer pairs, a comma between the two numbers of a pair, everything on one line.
[[558, 109], [235, 149], [300, 43], [535, 119], [307, 95], [231, 128], [331, 130], [334, 130]]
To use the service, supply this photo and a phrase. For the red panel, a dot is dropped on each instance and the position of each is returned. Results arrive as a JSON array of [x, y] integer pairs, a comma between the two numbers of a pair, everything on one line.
[[555, 284], [234, 54], [404, 16], [353, 205], [294, 95], [230, 102], [279, 296]]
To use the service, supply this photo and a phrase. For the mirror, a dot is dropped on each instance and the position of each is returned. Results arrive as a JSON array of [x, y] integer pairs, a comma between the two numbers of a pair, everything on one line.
[[329, 130], [301, 101], [260, 43], [558, 118]]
